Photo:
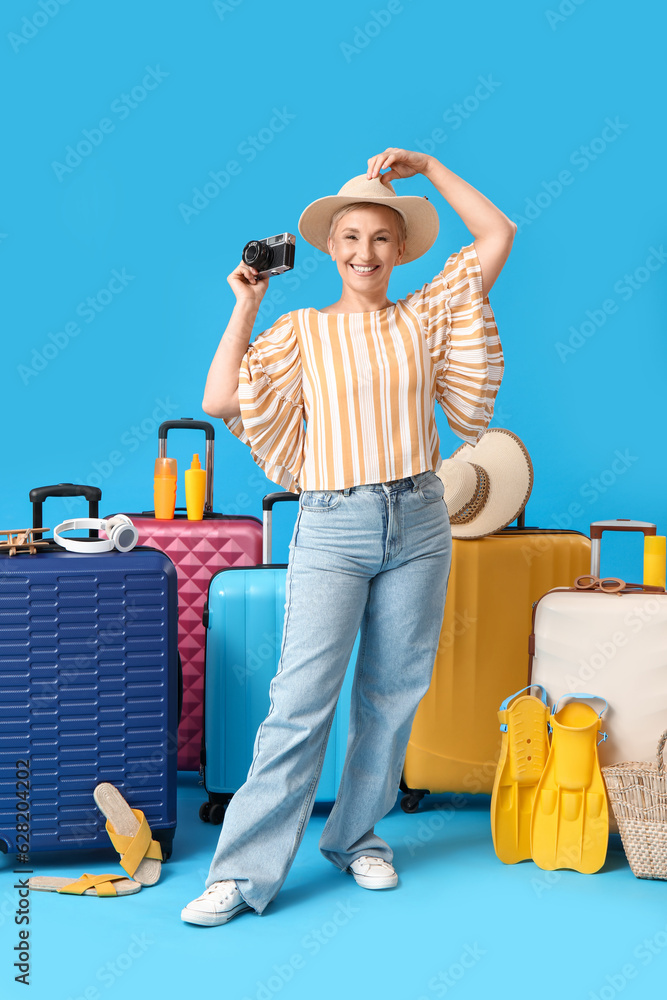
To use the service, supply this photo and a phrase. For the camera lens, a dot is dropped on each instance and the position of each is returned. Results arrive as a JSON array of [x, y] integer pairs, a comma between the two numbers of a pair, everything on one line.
[[257, 254]]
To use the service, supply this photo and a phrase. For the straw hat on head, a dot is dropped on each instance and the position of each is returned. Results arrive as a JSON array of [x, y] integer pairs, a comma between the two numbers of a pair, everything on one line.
[[421, 217], [487, 485]]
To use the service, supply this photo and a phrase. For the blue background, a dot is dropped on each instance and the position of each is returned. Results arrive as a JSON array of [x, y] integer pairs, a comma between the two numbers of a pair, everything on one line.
[[146, 354], [557, 80]]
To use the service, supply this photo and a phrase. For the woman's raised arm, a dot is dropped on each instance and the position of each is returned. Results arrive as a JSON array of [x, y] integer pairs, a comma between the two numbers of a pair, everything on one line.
[[492, 229], [221, 391]]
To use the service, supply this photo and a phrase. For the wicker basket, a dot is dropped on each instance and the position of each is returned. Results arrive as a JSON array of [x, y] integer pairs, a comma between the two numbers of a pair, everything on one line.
[[638, 796]]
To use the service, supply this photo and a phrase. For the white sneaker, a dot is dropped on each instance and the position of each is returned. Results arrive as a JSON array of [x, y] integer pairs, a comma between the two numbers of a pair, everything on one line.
[[373, 873], [218, 904]]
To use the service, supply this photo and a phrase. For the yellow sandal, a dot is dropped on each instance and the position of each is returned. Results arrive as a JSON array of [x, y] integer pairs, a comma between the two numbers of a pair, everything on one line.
[[87, 885], [130, 834]]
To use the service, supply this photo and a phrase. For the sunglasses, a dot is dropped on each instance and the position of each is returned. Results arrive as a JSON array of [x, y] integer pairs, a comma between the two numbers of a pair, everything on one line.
[[608, 584]]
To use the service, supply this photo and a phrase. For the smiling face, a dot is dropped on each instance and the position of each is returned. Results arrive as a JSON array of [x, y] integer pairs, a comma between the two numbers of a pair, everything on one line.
[[365, 246]]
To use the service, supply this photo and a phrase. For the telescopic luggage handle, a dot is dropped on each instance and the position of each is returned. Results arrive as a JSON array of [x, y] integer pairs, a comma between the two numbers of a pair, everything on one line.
[[93, 494], [188, 424], [267, 511], [618, 524]]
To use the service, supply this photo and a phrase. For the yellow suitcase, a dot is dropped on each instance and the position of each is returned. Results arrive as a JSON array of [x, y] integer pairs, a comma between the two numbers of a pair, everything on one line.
[[483, 654]]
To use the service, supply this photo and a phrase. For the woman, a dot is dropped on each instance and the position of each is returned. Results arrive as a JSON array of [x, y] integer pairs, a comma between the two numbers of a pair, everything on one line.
[[371, 547]]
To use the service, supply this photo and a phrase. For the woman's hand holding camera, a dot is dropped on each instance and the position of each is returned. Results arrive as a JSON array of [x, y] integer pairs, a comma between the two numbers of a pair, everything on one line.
[[245, 284], [221, 391]]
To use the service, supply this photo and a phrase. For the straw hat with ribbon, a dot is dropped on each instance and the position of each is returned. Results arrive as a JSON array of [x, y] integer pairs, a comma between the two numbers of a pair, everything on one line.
[[487, 485], [421, 217]]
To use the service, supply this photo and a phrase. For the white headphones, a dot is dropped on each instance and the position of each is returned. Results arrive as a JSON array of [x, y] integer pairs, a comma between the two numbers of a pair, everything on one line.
[[122, 534]]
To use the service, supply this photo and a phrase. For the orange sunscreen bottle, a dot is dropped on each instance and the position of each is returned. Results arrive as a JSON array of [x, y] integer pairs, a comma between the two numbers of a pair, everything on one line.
[[195, 490], [654, 560], [164, 488]]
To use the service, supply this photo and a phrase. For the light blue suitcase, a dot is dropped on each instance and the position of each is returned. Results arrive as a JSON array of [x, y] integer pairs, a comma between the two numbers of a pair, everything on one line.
[[243, 617]]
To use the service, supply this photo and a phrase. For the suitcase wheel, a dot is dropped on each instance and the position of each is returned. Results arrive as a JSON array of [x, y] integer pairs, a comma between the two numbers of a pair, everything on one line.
[[216, 813], [410, 803], [413, 796], [165, 838], [213, 811]]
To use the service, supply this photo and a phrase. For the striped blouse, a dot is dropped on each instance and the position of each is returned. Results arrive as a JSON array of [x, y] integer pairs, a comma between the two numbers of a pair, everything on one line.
[[335, 400]]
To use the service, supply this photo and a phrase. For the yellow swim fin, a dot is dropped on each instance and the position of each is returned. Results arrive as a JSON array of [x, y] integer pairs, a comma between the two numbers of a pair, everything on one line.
[[523, 755], [570, 822]]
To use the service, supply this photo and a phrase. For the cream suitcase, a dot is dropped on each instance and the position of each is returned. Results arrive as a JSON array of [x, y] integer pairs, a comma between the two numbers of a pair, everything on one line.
[[608, 644]]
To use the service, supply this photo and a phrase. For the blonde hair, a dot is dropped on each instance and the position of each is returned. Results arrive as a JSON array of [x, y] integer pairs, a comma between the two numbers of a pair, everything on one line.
[[339, 213]]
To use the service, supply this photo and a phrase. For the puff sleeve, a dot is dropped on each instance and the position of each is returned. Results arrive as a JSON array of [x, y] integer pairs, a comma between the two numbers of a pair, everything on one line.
[[463, 342], [271, 403]]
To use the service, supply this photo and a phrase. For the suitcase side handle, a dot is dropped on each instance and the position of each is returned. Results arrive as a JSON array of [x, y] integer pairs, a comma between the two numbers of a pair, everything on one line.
[[267, 511], [618, 524], [188, 424], [37, 496]]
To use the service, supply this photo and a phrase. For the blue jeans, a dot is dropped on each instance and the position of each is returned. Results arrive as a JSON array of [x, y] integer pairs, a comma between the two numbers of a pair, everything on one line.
[[375, 556]]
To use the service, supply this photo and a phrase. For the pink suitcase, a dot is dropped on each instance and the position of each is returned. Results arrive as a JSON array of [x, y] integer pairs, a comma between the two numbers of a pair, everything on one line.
[[198, 549]]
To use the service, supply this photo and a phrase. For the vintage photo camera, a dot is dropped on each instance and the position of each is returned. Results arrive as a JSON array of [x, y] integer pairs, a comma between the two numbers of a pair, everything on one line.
[[274, 255]]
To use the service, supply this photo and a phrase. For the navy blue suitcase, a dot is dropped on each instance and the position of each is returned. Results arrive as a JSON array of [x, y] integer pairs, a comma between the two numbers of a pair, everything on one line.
[[244, 617], [89, 689]]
